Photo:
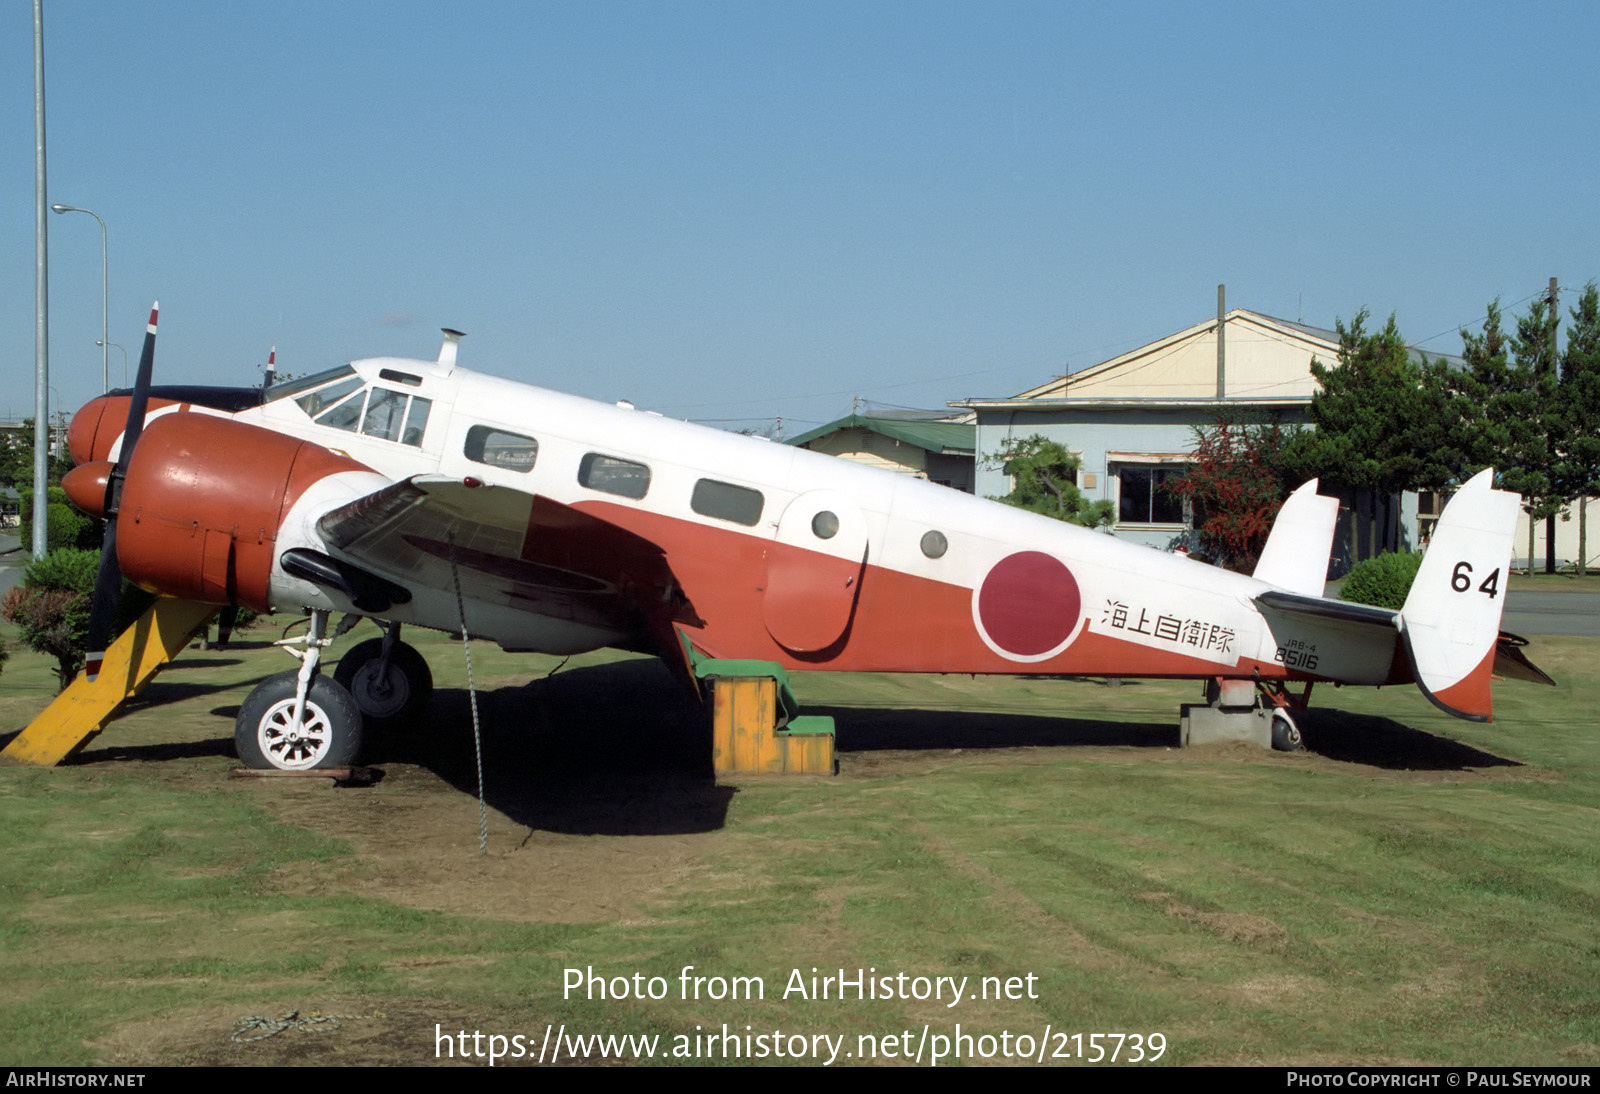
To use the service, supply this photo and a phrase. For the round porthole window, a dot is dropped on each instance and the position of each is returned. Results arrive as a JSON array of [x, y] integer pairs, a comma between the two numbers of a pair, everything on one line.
[[825, 525], [934, 545]]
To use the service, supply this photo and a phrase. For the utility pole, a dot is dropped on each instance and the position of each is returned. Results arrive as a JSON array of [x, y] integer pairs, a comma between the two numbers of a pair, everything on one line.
[[1555, 379], [1222, 345], [41, 303]]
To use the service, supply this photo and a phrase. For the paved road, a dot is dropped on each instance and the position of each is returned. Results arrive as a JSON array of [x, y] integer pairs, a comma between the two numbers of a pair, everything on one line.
[[1552, 613], [12, 562]]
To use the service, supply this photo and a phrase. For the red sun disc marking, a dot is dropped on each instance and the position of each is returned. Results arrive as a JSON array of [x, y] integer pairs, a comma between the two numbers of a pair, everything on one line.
[[1029, 603]]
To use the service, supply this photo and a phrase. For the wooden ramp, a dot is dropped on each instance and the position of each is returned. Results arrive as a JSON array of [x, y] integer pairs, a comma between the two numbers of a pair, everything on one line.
[[82, 711]]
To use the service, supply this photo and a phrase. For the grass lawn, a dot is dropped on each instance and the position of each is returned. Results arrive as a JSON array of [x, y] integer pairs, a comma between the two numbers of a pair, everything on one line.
[[1412, 890]]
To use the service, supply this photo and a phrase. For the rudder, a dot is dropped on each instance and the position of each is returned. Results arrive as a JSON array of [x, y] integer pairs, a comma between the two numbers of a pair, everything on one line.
[[1451, 618]]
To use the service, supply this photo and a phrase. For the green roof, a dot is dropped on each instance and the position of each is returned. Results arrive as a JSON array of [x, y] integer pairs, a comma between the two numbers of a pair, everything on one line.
[[955, 438]]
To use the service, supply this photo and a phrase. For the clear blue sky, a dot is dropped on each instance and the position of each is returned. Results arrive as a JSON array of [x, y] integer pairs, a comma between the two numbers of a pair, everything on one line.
[[742, 210]]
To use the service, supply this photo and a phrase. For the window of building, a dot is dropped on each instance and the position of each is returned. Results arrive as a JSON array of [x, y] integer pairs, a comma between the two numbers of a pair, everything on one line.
[[1142, 497], [497, 448], [612, 475], [725, 501]]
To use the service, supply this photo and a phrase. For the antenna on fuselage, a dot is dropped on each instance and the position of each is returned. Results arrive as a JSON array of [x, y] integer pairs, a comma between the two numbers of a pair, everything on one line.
[[447, 352]]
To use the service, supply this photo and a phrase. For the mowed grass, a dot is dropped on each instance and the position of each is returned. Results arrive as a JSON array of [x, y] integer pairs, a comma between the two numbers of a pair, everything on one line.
[[1415, 889]]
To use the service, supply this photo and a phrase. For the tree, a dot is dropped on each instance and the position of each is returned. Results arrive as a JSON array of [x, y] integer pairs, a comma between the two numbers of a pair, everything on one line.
[[1383, 422], [1578, 473], [1043, 475], [16, 458], [1536, 475], [1510, 406], [1235, 486]]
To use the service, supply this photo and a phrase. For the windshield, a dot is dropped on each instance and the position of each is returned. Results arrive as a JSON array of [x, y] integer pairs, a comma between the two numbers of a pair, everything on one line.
[[306, 383]]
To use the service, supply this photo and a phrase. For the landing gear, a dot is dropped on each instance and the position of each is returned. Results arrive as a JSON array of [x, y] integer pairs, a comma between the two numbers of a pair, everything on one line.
[[1285, 734], [328, 733], [388, 679], [300, 720]]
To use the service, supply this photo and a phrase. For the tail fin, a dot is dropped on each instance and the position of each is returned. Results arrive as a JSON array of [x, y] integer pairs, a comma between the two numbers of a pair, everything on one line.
[[1296, 555], [1451, 618]]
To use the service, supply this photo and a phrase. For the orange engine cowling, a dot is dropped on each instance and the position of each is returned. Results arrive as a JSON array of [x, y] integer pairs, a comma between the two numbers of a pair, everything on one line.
[[203, 502]]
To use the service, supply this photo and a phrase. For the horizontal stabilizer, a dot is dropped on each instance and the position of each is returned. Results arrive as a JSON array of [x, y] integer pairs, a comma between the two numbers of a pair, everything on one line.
[[1323, 608]]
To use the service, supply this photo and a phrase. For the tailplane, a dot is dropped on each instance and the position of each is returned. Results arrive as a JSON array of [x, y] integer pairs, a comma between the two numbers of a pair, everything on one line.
[[1451, 619]]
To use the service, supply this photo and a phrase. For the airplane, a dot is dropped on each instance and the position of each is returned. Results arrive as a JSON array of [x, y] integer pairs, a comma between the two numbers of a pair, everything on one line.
[[420, 493]]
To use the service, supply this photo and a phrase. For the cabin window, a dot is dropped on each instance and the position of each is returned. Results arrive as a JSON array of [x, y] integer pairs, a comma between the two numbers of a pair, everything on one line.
[[1143, 497], [825, 525], [725, 501], [497, 448], [611, 475], [934, 545], [321, 400]]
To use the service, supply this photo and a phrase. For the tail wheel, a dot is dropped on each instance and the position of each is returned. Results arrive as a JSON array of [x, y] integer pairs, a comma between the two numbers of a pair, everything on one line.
[[329, 734], [393, 697], [1285, 734]]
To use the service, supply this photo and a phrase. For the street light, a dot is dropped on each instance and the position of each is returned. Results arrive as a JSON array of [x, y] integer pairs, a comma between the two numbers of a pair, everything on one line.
[[105, 375], [113, 345]]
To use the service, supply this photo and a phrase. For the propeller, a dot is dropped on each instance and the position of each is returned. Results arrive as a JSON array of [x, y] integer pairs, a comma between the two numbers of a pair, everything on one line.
[[108, 581]]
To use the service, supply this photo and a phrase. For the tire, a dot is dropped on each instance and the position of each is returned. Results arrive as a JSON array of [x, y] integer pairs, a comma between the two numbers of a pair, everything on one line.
[[1285, 734], [330, 729], [410, 683]]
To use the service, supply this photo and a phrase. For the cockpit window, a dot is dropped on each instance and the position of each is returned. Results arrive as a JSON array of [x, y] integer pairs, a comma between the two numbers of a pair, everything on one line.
[[385, 411], [345, 415], [306, 383], [319, 400]]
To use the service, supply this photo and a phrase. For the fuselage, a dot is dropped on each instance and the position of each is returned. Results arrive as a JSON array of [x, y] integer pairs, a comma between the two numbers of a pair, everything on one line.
[[784, 554]]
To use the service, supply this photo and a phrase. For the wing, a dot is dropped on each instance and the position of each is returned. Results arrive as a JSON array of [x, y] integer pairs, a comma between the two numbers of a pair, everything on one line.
[[511, 549]]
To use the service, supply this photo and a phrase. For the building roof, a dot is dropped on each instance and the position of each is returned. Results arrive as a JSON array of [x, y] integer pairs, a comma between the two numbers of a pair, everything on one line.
[[950, 438], [1268, 364]]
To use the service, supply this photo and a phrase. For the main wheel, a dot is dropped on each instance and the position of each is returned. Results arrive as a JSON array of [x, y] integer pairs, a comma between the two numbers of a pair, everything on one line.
[[330, 728], [1285, 734], [395, 697]]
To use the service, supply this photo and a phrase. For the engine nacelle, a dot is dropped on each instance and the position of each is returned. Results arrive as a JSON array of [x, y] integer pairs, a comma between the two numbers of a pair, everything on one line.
[[203, 503]]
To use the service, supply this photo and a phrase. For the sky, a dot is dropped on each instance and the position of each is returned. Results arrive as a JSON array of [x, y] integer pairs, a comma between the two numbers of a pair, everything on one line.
[[739, 212]]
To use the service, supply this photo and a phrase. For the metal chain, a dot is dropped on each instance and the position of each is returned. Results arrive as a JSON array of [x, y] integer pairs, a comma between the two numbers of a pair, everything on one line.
[[256, 1028], [472, 697]]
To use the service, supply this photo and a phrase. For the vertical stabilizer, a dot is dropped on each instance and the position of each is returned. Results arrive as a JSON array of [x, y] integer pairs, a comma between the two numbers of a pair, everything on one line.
[[1451, 618], [1296, 555]]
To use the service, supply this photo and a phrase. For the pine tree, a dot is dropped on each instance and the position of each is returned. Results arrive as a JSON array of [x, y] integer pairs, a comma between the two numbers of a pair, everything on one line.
[[1578, 473], [1042, 477]]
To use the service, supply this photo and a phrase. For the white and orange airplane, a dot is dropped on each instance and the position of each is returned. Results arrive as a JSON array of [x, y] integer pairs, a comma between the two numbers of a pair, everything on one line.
[[415, 492]]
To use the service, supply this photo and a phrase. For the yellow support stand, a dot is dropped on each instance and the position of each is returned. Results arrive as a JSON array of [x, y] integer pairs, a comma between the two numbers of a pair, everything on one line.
[[746, 739], [79, 713]]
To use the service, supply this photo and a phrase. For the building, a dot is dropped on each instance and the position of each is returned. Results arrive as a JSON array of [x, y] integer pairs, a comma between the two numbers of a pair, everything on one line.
[[909, 443], [1131, 420]]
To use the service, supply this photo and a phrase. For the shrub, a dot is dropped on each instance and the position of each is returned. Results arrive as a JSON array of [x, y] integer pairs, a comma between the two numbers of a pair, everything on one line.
[[1383, 581], [51, 607], [67, 527]]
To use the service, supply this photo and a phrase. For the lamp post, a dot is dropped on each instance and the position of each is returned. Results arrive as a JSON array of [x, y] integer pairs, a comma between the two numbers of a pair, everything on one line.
[[105, 376], [114, 346]]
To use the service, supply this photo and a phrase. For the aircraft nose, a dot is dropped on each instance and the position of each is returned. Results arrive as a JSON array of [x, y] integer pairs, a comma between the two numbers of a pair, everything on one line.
[[85, 425], [86, 485]]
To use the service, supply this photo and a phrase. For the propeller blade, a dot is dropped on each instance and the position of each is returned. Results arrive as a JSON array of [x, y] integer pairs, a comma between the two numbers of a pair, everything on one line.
[[108, 580]]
